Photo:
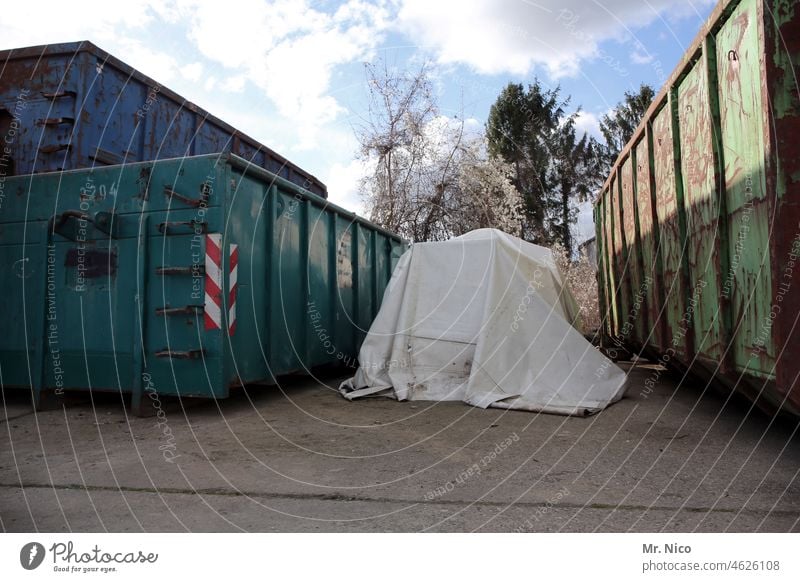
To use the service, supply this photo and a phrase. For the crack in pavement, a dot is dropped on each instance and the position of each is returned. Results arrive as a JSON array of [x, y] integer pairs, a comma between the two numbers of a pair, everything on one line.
[[354, 499]]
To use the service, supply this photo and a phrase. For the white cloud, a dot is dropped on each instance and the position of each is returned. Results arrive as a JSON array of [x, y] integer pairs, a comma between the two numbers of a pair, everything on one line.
[[640, 55], [589, 123], [162, 67], [234, 83], [512, 36], [192, 72], [288, 50], [343, 181], [210, 83], [54, 22]]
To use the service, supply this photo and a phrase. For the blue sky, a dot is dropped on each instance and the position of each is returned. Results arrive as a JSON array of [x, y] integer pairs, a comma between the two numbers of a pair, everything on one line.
[[290, 72]]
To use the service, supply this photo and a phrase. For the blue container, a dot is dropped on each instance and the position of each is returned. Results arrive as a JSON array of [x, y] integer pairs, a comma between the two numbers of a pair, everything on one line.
[[71, 106]]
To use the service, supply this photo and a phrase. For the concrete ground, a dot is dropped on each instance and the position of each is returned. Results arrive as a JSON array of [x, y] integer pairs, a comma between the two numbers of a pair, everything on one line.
[[301, 458]]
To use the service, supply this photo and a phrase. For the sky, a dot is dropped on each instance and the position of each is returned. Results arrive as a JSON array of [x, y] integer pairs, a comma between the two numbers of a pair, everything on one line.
[[290, 73]]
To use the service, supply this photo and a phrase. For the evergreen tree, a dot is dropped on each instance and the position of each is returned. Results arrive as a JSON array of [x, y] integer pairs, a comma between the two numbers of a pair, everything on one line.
[[520, 130], [618, 126]]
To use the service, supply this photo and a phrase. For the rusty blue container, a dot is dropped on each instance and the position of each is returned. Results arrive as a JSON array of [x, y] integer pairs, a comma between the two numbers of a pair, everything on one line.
[[69, 106], [183, 277]]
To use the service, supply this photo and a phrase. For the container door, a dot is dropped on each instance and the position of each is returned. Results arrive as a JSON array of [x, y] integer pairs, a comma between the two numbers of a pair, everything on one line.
[[670, 244], [68, 320], [748, 282], [93, 317], [701, 203], [186, 311], [23, 253]]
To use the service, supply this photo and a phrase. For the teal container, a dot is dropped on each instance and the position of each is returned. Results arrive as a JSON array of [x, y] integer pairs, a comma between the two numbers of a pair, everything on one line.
[[183, 277]]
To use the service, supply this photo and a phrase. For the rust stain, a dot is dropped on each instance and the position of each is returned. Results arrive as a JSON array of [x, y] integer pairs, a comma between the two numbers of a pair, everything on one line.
[[94, 262]]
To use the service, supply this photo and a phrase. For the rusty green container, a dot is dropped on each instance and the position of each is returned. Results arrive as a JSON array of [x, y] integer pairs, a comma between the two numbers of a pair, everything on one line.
[[698, 225], [183, 277]]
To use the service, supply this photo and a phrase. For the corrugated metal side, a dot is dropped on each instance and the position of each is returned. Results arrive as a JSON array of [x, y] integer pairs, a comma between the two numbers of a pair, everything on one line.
[[746, 285], [619, 262], [634, 289], [647, 232], [780, 22], [123, 304], [708, 197], [669, 212], [701, 205], [613, 316]]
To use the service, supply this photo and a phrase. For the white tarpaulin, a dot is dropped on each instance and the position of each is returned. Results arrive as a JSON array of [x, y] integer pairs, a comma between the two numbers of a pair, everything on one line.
[[483, 318]]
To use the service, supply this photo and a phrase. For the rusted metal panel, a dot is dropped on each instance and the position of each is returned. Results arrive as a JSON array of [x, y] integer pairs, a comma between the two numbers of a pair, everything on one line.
[[780, 22], [615, 254], [648, 243], [611, 278], [634, 289], [671, 240], [620, 260], [601, 269], [747, 284], [701, 200], [721, 141]]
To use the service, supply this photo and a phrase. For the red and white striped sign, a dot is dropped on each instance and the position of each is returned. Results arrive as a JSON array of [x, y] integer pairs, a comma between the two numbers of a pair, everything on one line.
[[213, 300]]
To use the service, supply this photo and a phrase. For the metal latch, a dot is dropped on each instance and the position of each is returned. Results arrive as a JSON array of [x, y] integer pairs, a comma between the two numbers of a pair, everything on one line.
[[67, 224], [195, 226], [180, 355], [195, 270], [169, 192], [185, 310]]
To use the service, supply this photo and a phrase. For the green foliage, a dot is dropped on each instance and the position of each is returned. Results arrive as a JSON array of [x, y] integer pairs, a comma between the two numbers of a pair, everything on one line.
[[618, 126], [553, 166], [532, 131]]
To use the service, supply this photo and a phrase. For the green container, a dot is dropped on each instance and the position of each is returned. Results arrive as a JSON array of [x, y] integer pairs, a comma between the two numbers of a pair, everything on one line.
[[698, 225], [183, 277]]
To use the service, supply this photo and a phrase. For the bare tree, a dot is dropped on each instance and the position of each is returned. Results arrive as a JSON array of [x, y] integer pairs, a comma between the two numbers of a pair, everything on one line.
[[581, 278], [393, 139], [483, 195], [430, 179]]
